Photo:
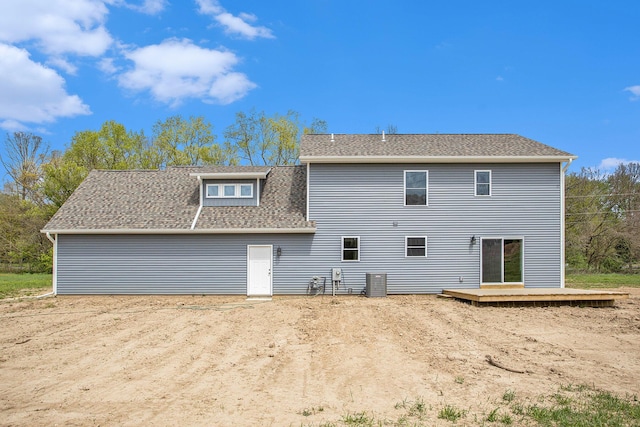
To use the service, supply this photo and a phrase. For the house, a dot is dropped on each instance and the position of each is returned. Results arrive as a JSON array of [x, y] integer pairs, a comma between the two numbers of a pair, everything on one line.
[[429, 211]]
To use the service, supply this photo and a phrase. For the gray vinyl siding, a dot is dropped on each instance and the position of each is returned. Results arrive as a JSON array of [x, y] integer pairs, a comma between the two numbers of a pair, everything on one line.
[[367, 200], [344, 200], [230, 201], [174, 264]]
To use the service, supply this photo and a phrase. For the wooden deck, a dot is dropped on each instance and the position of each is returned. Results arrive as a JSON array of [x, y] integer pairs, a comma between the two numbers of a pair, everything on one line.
[[537, 296]]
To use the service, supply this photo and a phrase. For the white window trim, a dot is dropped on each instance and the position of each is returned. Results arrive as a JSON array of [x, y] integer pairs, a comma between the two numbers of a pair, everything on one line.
[[522, 265], [475, 183], [342, 249], [221, 195], [406, 246], [404, 193]]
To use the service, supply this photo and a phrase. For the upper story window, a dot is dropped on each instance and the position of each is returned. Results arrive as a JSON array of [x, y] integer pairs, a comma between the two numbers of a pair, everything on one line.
[[416, 188], [229, 190], [483, 183], [351, 248]]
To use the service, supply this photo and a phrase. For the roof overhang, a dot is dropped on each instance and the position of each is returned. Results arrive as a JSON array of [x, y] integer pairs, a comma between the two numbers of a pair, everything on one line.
[[309, 230], [436, 159], [232, 175]]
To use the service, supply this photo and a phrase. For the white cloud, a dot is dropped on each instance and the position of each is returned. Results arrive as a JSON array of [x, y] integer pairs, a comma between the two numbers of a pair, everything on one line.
[[230, 87], [232, 24], [57, 26], [209, 7], [31, 92], [175, 70], [63, 65], [107, 66], [610, 163], [635, 91], [149, 7], [12, 126]]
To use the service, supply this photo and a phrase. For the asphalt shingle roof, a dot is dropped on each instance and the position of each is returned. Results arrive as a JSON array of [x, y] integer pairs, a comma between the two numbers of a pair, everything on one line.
[[424, 145], [282, 205], [169, 200]]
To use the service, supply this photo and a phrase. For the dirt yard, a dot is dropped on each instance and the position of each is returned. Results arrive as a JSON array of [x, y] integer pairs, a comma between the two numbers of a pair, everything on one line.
[[226, 361]]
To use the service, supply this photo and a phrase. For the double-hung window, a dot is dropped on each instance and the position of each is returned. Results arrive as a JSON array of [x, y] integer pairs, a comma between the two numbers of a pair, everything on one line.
[[351, 248], [229, 190], [415, 247], [483, 183], [416, 188]]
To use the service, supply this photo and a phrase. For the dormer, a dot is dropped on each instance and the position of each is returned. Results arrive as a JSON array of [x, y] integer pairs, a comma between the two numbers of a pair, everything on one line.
[[231, 186]]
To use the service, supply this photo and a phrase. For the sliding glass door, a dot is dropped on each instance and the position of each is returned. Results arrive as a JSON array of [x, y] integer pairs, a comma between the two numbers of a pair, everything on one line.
[[502, 260]]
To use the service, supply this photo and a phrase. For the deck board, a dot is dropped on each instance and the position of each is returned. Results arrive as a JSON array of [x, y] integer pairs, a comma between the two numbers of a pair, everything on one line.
[[542, 296]]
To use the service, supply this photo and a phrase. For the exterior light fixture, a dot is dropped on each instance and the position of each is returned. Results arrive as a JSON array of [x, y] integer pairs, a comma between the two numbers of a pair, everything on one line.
[[473, 240], [279, 251]]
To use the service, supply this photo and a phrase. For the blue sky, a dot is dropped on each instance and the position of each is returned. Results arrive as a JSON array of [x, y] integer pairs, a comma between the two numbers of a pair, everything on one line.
[[563, 72]]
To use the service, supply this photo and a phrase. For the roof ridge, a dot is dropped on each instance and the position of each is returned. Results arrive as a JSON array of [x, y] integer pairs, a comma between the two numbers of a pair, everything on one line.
[[414, 133], [126, 170]]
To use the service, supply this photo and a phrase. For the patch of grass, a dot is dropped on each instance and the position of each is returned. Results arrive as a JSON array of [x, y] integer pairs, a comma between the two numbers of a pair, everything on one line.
[[418, 408], [459, 380], [13, 284], [508, 396], [506, 419], [601, 280], [450, 413], [585, 406], [493, 416], [358, 419], [306, 412], [570, 406]]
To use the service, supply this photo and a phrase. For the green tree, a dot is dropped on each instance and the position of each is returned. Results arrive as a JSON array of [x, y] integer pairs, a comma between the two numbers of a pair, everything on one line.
[[602, 218], [179, 142], [62, 177], [110, 147], [258, 139], [22, 246]]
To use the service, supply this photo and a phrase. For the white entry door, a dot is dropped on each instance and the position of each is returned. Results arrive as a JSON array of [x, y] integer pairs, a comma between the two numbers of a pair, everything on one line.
[[259, 270]]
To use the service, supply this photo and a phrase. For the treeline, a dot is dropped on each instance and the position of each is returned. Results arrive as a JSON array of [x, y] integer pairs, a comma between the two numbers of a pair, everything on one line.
[[40, 181], [603, 219], [602, 209]]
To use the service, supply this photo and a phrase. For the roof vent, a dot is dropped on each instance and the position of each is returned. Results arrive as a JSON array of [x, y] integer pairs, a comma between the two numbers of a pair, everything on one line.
[[383, 140], [332, 140]]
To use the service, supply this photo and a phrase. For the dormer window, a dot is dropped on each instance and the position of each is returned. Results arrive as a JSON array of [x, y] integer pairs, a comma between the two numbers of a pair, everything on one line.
[[229, 191]]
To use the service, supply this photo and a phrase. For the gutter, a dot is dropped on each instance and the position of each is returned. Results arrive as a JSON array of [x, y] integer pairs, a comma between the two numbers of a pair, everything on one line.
[[308, 230], [569, 161], [435, 159]]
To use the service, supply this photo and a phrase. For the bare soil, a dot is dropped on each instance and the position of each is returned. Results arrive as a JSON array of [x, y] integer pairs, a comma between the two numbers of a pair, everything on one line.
[[226, 361]]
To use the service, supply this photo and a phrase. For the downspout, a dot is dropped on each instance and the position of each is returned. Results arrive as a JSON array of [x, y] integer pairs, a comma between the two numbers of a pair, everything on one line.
[[257, 191], [308, 172], [54, 266], [562, 222], [195, 219]]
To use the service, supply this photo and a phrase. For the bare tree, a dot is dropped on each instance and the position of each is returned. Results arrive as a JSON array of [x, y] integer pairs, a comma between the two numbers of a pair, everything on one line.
[[25, 155], [391, 129]]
